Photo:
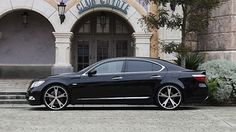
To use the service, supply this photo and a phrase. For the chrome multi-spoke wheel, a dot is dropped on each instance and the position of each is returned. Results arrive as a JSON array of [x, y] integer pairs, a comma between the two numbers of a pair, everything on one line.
[[56, 97], [169, 97]]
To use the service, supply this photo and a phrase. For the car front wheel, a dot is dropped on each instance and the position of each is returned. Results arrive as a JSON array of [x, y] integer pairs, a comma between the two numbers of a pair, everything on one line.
[[169, 97], [56, 97]]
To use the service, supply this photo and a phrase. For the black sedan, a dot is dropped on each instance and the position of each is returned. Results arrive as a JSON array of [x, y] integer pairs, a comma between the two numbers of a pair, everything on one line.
[[121, 81]]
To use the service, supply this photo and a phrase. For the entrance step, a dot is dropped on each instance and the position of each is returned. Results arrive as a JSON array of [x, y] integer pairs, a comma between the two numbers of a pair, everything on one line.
[[14, 85], [13, 101], [12, 98], [12, 95], [12, 91]]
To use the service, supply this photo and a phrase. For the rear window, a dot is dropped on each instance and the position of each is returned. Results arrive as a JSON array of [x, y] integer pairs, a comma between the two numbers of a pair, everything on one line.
[[156, 67], [141, 66]]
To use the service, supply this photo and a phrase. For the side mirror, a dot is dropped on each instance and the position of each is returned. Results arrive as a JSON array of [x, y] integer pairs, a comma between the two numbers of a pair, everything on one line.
[[91, 73]]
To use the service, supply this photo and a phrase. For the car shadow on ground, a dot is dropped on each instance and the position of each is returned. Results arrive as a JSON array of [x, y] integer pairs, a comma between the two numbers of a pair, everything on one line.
[[118, 108]]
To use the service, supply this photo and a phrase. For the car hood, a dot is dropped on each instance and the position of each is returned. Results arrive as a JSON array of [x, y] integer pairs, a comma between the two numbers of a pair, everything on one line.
[[66, 75]]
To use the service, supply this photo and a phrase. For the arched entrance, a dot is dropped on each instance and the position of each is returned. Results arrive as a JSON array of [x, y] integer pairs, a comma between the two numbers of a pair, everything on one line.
[[98, 36], [27, 45]]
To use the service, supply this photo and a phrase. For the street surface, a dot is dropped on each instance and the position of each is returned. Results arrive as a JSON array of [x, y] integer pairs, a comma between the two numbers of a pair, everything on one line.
[[122, 118]]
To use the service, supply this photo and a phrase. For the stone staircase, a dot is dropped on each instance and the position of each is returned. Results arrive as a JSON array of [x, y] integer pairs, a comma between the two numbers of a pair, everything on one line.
[[12, 91], [12, 98]]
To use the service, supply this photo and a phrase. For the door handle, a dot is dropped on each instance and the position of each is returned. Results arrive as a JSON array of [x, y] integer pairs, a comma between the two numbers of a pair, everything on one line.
[[117, 78], [155, 76]]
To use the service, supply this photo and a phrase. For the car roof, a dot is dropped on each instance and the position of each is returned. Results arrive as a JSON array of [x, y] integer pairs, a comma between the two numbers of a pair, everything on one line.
[[132, 58], [169, 65]]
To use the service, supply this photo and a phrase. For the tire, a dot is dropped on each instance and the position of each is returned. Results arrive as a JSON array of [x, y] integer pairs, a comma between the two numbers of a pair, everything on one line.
[[169, 97], [56, 97]]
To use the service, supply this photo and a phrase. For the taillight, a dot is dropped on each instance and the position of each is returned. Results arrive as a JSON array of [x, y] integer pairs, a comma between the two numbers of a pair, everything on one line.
[[200, 77]]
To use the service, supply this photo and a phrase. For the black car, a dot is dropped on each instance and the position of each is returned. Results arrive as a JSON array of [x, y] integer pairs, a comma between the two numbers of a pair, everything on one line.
[[121, 81]]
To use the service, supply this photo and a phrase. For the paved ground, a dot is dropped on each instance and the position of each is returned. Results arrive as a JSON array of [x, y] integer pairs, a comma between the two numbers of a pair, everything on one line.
[[22, 118]]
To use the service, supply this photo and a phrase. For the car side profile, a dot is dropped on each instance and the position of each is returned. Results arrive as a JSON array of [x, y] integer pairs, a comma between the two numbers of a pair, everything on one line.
[[128, 80]]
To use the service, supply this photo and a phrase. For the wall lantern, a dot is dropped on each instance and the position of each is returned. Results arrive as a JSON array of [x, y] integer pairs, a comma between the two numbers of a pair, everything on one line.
[[25, 16], [61, 11], [103, 19]]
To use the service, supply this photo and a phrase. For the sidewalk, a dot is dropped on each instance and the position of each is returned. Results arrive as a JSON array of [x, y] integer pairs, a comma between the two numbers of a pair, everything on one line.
[[25, 118]]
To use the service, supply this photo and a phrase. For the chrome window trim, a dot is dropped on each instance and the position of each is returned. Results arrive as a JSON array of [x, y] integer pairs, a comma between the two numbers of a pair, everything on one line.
[[123, 73], [128, 59], [162, 67]]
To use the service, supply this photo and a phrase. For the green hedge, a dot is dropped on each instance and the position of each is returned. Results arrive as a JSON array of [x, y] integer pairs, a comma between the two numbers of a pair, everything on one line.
[[221, 79]]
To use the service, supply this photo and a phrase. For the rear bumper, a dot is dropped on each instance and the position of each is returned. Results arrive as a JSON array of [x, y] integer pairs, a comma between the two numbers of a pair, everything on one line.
[[196, 95]]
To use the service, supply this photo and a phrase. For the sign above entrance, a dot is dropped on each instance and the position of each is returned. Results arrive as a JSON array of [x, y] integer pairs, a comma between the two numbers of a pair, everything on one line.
[[85, 5]]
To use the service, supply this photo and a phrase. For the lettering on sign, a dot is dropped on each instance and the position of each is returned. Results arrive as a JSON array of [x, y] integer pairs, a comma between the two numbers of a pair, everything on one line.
[[120, 5]]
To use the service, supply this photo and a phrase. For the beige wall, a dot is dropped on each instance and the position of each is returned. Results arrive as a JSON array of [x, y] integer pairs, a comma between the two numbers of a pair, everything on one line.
[[26, 44], [220, 41], [53, 46]]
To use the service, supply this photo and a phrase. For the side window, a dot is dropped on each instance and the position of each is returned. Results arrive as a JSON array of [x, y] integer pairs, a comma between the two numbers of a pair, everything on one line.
[[110, 67], [138, 66]]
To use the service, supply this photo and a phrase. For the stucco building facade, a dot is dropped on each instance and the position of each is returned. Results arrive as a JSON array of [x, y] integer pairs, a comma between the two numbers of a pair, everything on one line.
[[35, 43], [220, 40]]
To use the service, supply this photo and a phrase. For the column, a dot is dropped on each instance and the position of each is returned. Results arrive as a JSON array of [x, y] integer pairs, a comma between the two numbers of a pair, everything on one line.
[[142, 44], [154, 39], [62, 57]]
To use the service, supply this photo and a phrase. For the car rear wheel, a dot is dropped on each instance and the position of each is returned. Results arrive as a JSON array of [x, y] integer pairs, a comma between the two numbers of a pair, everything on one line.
[[169, 97], [56, 97]]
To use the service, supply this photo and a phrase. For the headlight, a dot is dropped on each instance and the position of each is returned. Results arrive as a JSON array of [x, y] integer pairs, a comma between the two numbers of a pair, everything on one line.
[[37, 83]]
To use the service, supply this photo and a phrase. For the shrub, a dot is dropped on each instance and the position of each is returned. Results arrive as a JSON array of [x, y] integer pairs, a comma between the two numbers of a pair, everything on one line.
[[221, 81], [192, 60]]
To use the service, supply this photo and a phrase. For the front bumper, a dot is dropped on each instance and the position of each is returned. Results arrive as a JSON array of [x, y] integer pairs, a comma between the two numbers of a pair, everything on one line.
[[33, 96]]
